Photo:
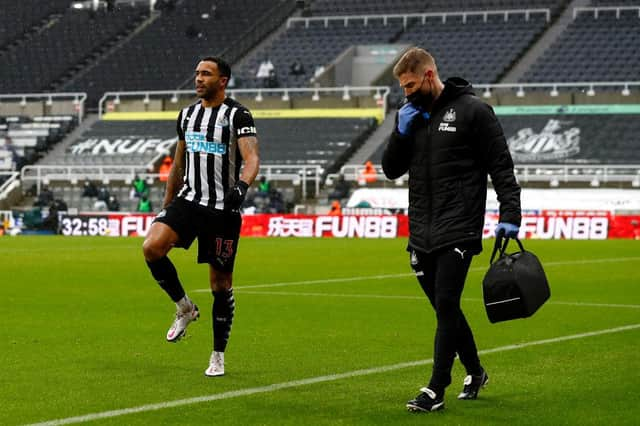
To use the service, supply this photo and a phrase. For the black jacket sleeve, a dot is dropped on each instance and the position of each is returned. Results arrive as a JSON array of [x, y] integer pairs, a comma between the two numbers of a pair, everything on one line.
[[396, 156], [498, 162]]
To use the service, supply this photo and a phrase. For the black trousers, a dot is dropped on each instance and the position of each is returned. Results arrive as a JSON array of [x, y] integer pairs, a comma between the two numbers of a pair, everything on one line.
[[442, 275]]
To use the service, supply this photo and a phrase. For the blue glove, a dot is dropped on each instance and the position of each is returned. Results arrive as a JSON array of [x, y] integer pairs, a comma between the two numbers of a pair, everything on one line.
[[508, 230], [406, 114]]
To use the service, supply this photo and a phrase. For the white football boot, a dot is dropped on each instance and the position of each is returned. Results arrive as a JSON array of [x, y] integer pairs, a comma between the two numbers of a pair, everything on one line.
[[179, 327], [216, 365]]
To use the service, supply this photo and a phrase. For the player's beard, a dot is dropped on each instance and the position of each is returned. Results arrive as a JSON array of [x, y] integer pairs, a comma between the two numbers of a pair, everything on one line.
[[211, 92]]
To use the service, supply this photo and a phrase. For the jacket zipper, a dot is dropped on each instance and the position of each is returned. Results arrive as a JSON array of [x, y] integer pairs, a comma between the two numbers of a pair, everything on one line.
[[430, 195]]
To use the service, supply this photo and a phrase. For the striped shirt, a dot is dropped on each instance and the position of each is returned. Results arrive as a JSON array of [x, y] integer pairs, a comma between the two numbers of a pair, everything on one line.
[[213, 157]]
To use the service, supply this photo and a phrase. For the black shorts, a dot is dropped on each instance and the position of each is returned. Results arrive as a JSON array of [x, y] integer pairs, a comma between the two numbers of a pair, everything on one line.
[[217, 231]]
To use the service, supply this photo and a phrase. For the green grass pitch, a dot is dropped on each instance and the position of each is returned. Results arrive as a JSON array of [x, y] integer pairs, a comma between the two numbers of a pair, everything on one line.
[[325, 333]]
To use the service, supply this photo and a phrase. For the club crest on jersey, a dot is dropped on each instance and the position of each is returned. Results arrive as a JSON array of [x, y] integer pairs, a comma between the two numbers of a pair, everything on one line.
[[450, 116], [223, 122], [197, 142]]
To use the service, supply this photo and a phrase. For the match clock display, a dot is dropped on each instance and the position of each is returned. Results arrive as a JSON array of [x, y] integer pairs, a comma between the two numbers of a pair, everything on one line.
[[84, 225]]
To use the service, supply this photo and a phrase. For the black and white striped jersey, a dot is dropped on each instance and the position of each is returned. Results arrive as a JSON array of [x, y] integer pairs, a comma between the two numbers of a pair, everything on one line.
[[213, 160]]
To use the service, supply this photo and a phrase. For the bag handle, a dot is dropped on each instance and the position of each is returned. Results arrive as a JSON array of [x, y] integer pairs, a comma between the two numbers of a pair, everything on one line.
[[501, 244]]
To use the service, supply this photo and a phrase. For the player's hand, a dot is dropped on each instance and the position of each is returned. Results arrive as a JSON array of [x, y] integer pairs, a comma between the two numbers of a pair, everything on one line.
[[235, 195], [406, 115], [508, 230]]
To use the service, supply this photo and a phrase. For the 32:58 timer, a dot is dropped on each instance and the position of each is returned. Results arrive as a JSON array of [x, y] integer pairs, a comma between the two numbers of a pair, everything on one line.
[[84, 225]]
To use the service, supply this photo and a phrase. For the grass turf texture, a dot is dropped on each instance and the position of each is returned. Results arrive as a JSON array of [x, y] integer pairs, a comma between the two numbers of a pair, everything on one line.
[[84, 325]]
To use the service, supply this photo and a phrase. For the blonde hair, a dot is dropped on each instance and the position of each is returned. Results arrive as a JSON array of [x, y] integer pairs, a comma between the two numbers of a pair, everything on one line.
[[414, 60]]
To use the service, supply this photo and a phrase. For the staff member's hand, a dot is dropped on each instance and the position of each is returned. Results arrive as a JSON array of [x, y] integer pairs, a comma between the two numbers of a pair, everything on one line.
[[406, 114], [508, 230]]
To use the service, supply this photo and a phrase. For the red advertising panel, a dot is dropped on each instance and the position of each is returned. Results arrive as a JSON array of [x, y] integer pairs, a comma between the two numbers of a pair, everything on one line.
[[387, 226], [547, 224], [550, 224]]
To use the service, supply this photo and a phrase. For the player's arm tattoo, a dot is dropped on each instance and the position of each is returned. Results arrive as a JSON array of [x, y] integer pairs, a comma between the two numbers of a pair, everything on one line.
[[250, 154], [176, 173]]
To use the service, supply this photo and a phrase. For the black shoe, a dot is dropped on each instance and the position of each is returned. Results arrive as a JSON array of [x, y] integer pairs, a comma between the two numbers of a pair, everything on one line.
[[472, 385], [427, 400]]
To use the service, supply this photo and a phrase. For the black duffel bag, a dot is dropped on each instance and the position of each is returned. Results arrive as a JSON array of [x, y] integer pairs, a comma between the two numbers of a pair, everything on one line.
[[515, 285]]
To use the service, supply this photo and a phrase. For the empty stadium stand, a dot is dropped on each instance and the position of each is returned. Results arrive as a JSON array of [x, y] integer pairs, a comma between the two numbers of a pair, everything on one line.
[[313, 45], [164, 54], [356, 7], [326, 142], [613, 3], [463, 44], [351, 7], [117, 143], [20, 18], [121, 193], [469, 48], [65, 46], [25, 139], [602, 48]]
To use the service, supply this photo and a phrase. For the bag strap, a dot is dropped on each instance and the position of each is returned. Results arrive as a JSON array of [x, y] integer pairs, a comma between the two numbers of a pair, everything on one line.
[[501, 245]]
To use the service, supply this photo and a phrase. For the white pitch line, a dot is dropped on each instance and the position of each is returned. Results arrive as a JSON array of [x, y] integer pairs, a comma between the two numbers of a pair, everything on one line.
[[584, 304], [410, 274], [340, 295], [380, 296], [312, 380], [597, 305], [319, 281]]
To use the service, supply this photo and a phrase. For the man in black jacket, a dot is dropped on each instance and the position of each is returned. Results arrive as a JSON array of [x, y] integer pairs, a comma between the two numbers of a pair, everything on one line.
[[448, 140]]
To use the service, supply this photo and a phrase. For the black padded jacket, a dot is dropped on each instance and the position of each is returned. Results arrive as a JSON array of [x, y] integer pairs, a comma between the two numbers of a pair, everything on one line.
[[448, 158]]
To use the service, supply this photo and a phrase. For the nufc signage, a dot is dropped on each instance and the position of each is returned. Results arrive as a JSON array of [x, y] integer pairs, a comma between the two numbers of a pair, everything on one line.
[[122, 146]]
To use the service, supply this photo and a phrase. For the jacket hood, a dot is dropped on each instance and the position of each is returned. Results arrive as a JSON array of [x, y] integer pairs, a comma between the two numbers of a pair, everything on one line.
[[454, 87]]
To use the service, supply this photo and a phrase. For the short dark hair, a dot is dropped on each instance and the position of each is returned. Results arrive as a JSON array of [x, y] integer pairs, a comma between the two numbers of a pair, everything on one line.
[[223, 67]]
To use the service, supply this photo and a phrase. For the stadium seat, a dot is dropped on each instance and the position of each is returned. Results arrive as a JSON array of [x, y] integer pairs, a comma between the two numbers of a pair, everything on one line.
[[590, 49]]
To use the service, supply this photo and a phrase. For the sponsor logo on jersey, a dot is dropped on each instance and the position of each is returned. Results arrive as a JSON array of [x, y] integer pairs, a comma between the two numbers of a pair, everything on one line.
[[196, 142], [446, 127]]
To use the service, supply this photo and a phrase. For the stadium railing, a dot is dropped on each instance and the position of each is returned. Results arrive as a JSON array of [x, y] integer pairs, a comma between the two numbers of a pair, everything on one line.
[[588, 87], [8, 187], [595, 10], [10, 177], [170, 99], [405, 17], [494, 93], [308, 177], [553, 174], [43, 103]]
